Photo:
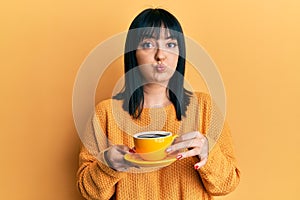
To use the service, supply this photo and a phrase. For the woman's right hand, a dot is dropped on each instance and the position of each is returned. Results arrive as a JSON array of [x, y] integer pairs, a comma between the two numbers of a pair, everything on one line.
[[114, 157]]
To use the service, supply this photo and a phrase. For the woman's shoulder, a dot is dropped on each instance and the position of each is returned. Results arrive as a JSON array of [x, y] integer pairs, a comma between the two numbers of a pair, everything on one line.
[[202, 96], [107, 104], [104, 103]]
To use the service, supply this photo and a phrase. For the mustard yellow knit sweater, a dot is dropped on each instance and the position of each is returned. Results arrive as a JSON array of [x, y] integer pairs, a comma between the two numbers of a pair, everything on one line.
[[179, 180]]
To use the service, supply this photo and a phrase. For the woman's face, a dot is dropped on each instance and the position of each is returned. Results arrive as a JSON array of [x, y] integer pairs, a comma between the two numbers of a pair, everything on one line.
[[157, 58]]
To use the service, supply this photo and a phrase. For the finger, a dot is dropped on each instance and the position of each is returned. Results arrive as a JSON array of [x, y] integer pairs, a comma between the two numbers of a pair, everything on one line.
[[190, 153], [123, 148], [115, 157], [185, 145], [121, 167], [200, 164], [189, 136], [124, 166], [197, 148], [129, 164], [132, 150]]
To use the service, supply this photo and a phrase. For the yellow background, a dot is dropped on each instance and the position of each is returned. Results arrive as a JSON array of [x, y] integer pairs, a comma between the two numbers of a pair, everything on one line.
[[255, 45]]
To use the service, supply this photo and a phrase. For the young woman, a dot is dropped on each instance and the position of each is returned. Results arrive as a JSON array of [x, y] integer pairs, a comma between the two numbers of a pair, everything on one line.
[[154, 98]]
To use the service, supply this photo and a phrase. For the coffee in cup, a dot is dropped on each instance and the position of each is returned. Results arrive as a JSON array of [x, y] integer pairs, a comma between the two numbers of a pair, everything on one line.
[[151, 145]]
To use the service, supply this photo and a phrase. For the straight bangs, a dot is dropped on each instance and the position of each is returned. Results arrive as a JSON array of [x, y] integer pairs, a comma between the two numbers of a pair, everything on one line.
[[153, 29], [154, 22], [155, 32]]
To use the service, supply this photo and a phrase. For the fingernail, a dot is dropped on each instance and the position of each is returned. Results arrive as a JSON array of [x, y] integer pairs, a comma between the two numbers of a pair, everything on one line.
[[196, 167], [179, 157], [168, 150], [131, 151]]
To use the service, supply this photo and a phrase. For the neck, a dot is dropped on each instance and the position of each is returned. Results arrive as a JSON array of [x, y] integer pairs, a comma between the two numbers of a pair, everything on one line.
[[155, 95]]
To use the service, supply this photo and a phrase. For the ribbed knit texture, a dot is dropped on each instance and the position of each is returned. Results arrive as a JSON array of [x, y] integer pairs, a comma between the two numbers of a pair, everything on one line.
[[179, 180]]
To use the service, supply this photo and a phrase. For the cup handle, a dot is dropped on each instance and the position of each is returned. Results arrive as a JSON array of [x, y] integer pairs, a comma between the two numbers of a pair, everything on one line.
[[173, 138]]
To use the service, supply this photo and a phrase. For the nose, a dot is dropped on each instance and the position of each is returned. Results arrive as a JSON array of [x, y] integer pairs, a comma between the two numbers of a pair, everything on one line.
[[160, 55]]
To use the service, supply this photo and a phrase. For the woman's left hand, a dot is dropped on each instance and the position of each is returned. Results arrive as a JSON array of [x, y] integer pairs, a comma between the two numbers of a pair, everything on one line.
[[195, 144]]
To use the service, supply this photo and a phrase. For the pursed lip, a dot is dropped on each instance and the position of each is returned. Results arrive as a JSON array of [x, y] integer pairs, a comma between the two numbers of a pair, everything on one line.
[[160, 67]]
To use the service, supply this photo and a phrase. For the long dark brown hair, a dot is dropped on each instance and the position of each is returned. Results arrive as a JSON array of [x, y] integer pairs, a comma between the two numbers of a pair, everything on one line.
[[149, 23]]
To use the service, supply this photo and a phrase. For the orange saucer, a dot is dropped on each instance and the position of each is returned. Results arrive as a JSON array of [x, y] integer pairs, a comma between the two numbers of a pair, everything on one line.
[[137, 160]]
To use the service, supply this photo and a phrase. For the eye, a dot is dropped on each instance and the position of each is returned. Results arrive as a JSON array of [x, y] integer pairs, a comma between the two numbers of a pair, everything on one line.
[[147, 45], [172, 44]]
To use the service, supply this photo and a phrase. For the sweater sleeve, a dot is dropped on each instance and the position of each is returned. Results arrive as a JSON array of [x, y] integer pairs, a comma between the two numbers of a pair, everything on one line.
[[95, 180], [220, 175]]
